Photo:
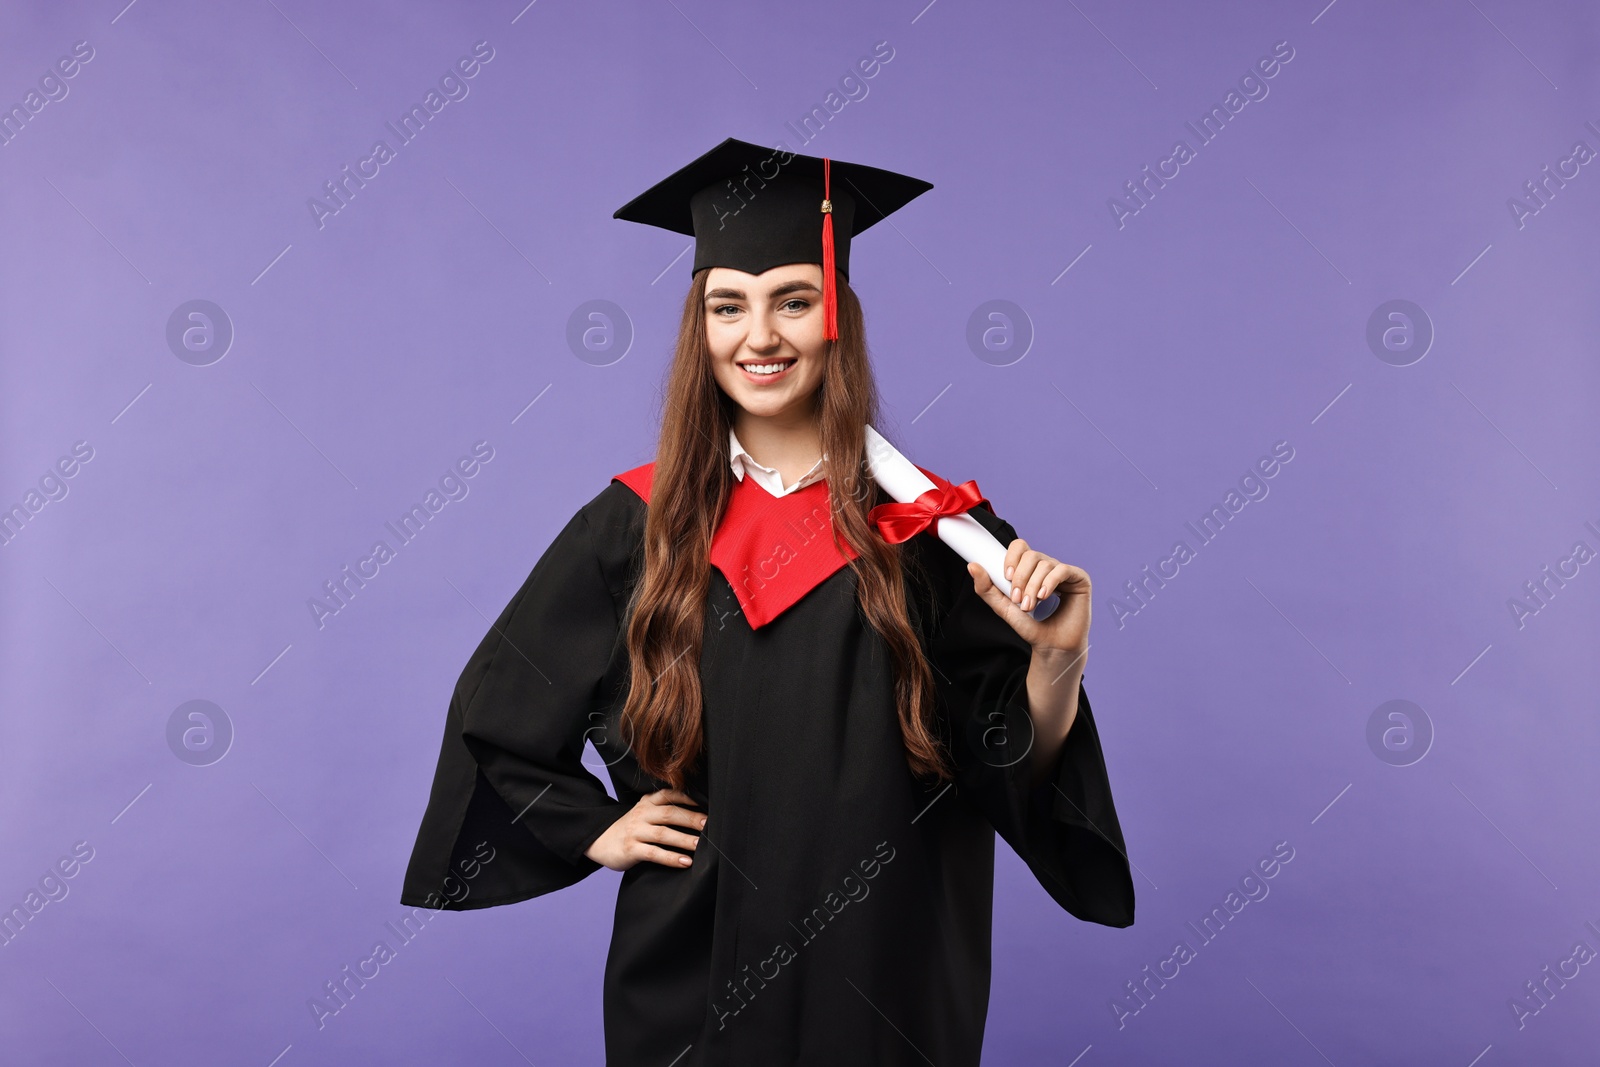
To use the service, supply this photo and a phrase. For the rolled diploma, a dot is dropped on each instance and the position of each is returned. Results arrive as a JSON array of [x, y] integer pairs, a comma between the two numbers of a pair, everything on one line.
[[969, 539]]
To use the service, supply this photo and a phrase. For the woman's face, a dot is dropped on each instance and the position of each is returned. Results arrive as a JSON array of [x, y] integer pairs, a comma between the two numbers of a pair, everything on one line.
[[765, 334]]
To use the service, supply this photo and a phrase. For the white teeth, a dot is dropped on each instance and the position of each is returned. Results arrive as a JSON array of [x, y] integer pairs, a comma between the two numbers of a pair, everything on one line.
[[764, 368]]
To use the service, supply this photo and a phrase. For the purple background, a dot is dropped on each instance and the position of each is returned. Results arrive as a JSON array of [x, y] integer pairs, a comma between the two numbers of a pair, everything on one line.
[[1228, 314]]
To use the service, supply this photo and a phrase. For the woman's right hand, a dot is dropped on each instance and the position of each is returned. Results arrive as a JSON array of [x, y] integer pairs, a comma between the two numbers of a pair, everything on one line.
[[648, 825]]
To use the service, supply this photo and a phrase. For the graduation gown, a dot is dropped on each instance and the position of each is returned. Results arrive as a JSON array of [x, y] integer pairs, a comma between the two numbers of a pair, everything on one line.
[[838, 910]]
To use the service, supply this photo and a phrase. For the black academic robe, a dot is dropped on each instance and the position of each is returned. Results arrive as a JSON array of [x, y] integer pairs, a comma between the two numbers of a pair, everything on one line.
[[838, 910]]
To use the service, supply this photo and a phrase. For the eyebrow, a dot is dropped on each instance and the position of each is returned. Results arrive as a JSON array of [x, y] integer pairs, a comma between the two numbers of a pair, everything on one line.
[[783, 290]]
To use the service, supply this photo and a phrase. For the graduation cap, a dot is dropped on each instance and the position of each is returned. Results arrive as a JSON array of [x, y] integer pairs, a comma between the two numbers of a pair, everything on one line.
[[752, 208]]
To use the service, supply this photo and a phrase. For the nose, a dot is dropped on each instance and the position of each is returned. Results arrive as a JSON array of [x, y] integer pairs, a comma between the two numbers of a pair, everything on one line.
[[763, 335]]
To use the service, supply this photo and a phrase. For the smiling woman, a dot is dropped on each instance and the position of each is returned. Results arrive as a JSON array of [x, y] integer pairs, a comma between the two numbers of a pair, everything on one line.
[[821, 725], [764, 333]]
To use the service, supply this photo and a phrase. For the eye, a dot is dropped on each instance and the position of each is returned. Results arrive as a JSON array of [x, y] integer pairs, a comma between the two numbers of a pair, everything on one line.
[[787, 304], [724, 307]]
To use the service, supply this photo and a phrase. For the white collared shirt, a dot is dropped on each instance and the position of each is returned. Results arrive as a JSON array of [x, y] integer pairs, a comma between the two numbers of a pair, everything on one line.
[[744, 463]]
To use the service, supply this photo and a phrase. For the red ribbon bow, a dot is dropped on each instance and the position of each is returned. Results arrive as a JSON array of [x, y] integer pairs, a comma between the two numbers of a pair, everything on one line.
[[901, 522]]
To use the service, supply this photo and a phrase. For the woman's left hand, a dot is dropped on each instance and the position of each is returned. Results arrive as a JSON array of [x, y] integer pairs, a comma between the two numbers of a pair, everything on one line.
[[1034, 576]]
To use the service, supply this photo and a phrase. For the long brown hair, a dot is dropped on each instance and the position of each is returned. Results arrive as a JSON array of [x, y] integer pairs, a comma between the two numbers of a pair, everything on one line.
[[689, 491]]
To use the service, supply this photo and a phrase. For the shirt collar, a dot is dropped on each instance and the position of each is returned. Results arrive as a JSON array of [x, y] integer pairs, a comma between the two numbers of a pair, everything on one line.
[[742, 461]]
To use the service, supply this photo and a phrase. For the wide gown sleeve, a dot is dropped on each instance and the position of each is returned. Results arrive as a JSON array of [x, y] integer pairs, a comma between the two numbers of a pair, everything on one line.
[[513, 809], [1065, 829]]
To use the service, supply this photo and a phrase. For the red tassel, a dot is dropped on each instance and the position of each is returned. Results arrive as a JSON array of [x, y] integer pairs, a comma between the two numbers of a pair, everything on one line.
[[830, 295]]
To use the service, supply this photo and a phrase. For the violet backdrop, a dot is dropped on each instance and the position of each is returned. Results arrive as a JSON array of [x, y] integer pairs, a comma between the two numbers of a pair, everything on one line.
[[1436, 467]]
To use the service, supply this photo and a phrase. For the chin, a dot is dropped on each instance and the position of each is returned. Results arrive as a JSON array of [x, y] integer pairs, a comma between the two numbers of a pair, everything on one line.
[[764, 406]]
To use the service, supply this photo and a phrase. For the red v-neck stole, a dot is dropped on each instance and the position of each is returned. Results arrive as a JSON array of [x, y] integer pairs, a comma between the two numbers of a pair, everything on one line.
[[772, 550]]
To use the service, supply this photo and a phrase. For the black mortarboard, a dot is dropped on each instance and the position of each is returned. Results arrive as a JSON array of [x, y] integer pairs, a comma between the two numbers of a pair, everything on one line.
[[753, 208]]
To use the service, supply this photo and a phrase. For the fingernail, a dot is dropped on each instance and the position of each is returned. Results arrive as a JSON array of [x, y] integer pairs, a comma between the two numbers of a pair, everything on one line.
[[683, 861], [1008, 573]]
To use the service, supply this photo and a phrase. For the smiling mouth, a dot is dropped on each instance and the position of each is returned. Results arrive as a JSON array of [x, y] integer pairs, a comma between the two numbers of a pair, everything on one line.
[[768, 371]]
